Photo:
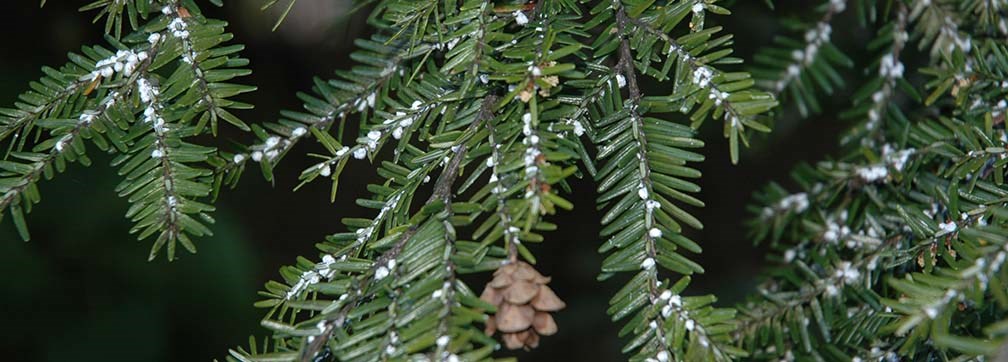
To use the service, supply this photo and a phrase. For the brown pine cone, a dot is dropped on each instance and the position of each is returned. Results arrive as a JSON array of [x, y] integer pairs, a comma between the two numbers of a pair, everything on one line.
[[523, 304]]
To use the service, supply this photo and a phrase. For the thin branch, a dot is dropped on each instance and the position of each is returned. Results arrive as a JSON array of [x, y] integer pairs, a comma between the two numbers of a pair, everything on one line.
[[626, 66], [338, 110], [690, 61], [189, 56], [749, 322], [41, 165], [809, 53], [442, 192], [14, 125]]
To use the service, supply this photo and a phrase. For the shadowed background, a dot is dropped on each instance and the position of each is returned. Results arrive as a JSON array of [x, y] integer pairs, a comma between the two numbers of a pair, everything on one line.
[[82, 289]]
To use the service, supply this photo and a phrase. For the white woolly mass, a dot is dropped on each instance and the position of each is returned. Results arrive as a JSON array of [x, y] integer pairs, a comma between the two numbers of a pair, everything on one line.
[[381, 273], [666, 311], [835, 231], [831, 290], [307, 278], [451, 43], [655, 233], [797, 202], [62, 143], [86, 117], [578, 128], [665, 295], [702, 76], [648, 264], [123, 61], [815, 38], [847, 273], [718, 96], [948, 227], [896, 159], [642, 192], [145, 90], [872, 173], [676, 300], [789, 255], [273, 146], [890, 67], [520, 17], [178, 27], [374, 135], [652, 204], [838, 5]]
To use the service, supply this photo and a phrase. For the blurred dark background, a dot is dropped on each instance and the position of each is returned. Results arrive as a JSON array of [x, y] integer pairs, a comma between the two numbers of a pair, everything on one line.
[[82, 289]]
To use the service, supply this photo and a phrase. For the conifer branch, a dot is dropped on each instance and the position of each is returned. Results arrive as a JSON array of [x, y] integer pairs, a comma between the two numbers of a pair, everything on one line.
[[703, 75], [66, 146], [478, 90], [939, 28], [625, 67], [40, 166], [116, 75], [325, 112], [787, 302], [667, 312], [890, 71], [194, 56], [804, 57], [497, 177], [442, 193], [384, 263], [727, 94], [162, 153], [16, 121]]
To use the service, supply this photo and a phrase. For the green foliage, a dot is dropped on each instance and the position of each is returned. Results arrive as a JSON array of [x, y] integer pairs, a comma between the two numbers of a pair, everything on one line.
[[800, 69], [145, 99], [893, 251]]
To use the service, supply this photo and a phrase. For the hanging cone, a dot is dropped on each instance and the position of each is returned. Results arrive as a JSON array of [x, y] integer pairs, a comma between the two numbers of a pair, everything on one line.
[[523, 304]]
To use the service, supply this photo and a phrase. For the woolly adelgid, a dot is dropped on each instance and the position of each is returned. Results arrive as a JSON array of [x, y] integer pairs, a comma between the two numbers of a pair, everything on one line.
[[477, 114]]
